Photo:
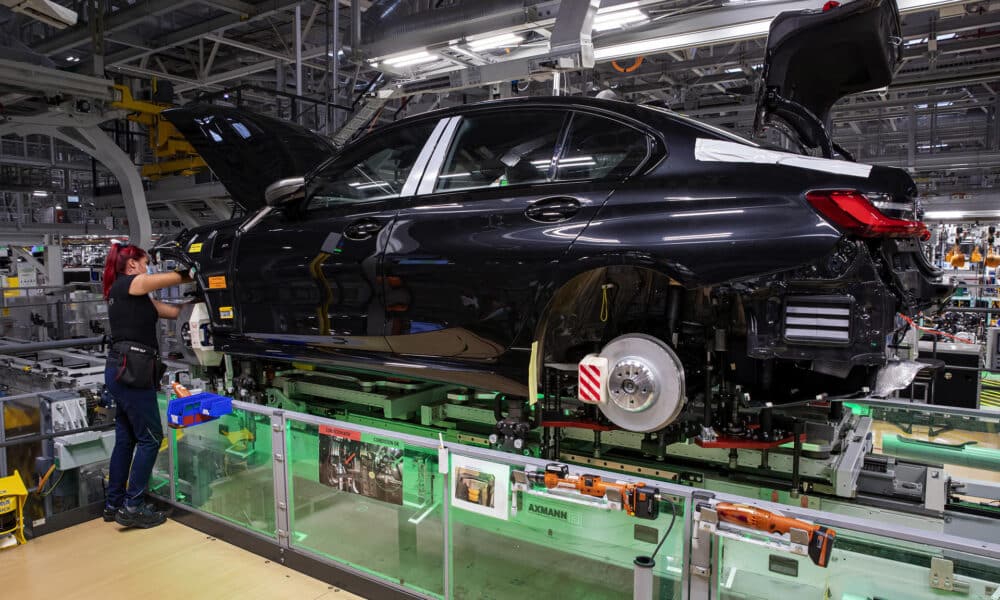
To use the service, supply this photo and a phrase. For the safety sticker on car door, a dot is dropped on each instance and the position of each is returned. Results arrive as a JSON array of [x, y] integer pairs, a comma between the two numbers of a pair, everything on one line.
[[225, 312]]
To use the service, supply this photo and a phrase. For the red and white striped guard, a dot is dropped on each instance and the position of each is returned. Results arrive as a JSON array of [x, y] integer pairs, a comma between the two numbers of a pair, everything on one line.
[[592, 373]]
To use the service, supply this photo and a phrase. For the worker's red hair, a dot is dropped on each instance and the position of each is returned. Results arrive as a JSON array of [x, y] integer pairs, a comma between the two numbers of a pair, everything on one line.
[[117, 260]]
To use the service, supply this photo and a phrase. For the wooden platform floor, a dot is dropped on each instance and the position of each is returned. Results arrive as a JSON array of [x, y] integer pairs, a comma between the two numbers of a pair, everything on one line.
[[173, 562]]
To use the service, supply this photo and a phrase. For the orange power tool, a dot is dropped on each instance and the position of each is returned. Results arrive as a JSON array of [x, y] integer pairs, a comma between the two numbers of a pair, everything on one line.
[[638, 499], [820, 538]]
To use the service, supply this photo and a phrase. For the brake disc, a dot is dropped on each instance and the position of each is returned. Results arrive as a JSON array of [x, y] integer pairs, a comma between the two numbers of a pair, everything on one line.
[[645, 383]]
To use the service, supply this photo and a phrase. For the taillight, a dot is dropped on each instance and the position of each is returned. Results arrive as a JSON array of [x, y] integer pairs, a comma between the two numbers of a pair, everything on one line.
[[855, 215]]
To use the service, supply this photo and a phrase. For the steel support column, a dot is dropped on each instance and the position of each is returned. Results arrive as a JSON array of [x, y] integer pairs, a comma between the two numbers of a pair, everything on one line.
[[53, 261], [333, 60], [181, 213], [911, 140], [96, 143], [298, 52], [219, 208]]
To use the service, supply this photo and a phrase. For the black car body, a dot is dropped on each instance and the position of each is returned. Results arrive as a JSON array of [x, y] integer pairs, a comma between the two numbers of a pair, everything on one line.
[[442, 246]]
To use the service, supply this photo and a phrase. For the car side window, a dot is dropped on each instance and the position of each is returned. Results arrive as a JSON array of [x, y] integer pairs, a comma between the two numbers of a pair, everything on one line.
[[501, 148], [375, 169], [600, 148]]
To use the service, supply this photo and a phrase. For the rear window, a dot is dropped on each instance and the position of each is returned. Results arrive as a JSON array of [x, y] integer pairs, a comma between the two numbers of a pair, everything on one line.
[[709, 129]]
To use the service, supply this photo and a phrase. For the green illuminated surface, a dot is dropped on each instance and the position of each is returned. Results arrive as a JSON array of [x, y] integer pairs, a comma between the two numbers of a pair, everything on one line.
[[159, 481], [861, 566], [401, 543], [234, 481], [566, 551], [548, 548], [559, 550]]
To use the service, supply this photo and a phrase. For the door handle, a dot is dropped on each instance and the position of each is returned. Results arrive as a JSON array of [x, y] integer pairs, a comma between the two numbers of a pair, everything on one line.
[[553, 210], [362, 230]]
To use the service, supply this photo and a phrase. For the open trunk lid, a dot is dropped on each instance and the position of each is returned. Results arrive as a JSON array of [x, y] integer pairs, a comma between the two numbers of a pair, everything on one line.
[[816, 57], [246, 151]]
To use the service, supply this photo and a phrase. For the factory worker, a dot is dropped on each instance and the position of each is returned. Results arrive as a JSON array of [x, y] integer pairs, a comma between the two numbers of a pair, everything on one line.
[[132, 377]]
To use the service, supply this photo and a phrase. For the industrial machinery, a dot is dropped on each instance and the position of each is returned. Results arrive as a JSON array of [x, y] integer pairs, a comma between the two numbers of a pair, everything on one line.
[[174, 155], [822, 453]]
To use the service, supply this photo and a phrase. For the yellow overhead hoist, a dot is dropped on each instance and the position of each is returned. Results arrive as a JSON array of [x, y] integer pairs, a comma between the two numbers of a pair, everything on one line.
[[174, 155]]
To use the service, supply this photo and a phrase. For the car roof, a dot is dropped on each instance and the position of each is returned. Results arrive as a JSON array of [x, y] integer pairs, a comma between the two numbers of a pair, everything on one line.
[[620, 107]]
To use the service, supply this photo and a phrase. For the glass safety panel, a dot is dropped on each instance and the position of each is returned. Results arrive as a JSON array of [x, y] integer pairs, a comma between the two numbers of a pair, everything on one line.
[[21, 418], [966, 445], [509, 543], [368, 501], [861, 566], [224, 468], [159, 480]]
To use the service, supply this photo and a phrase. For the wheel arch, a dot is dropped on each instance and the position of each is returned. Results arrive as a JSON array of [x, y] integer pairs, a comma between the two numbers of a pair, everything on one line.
[[580, 292]]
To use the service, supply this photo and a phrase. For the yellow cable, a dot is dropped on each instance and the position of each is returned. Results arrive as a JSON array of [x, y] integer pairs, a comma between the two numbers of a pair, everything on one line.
[[604, 302], [45, 478]]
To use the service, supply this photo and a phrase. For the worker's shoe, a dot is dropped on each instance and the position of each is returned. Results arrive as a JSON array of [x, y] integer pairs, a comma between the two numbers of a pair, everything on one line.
[[109, 513], [142, 517]]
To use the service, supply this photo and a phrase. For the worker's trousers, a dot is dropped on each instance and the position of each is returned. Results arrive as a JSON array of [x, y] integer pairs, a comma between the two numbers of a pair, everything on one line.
[[138, 434]]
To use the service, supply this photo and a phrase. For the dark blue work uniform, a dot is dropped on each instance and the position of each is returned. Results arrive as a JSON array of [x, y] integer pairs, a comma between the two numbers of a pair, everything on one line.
[[138, 429]]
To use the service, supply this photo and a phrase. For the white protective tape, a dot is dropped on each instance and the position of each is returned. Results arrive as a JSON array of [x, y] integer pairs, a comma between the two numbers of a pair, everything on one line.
[[707, 150]]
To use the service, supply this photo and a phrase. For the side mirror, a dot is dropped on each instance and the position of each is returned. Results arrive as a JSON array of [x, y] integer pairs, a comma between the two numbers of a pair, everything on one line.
[[283, 191]]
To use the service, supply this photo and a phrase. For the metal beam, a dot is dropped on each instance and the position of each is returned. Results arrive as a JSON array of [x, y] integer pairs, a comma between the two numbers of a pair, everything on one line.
[[251, 69], [572, 32], [96, 143], [122, 19], [192, 83], [298, 49], [317, 7], [28, 258], [233, 6], [190, 34], [183, 215], [211, 60], [177, 189], [47, 81], [219, 207], [248, 47]]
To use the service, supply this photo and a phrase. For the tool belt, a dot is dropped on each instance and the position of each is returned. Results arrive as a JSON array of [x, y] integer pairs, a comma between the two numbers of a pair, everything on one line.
[[139, 365]]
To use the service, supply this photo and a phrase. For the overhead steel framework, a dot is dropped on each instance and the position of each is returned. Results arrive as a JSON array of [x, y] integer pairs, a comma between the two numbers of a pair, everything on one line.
[[939, 118]]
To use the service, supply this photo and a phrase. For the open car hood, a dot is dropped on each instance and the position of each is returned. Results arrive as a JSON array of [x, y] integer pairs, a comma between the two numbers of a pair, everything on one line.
[[816, 57], [246, 151]]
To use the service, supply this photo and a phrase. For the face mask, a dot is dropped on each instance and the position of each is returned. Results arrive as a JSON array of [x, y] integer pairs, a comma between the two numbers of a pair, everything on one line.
[[149, 269]]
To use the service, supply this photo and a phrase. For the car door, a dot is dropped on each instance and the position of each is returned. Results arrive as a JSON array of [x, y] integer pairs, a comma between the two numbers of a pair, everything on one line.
[[310, 274], [247, 152], [503, 197]]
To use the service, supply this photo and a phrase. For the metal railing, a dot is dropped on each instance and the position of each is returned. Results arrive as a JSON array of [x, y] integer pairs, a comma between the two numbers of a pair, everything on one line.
[[699, 573]]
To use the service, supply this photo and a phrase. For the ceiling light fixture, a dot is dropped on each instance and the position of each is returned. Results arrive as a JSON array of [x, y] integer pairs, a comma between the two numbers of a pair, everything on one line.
[[705, 37], [410, 58], [617, 18], [504, 40], [623, 6]]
